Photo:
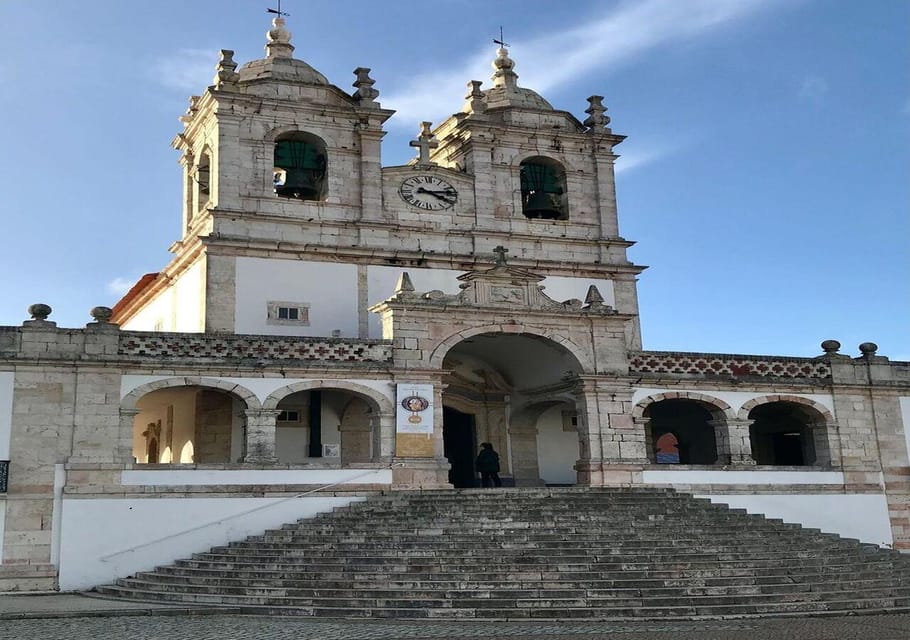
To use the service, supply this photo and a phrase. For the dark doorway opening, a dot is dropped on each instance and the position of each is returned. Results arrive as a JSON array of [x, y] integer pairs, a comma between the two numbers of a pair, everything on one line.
[[459, 445]]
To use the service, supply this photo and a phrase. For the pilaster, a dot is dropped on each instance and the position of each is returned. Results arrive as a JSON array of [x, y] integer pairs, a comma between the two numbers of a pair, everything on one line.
[[260, 436]]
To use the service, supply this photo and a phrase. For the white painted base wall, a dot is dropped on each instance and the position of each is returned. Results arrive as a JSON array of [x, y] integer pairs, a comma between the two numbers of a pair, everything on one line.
[[864, 517], [93, 529]]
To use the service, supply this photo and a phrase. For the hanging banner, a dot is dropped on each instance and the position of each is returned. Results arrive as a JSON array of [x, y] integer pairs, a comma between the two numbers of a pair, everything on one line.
[[415, 408]]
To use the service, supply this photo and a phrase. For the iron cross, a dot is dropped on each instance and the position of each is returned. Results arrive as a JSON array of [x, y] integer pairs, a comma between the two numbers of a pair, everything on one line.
[[500, 252]]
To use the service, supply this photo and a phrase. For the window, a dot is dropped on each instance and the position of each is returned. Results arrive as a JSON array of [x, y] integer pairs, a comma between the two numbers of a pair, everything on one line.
[[299, 167], [288, 313], [289, 415], [203, 179], [543, 189]]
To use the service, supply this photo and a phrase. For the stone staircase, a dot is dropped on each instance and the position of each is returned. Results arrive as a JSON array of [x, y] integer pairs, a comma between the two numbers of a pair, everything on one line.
[[535, 553]]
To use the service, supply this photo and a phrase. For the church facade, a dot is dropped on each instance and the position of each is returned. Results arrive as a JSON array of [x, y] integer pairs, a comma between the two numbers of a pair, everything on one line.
[[329, 328]]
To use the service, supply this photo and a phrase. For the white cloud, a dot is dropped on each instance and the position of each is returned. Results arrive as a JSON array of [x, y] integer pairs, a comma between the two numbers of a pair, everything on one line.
[[186, 70], [552, 60], [638, 158], [813, 89], [120, 286]]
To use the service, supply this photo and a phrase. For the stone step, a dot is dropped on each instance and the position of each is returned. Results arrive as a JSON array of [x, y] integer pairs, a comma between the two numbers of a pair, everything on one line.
[[541, 553]]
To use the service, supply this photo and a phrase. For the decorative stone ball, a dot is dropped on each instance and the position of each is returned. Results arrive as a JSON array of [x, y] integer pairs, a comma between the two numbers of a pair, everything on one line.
[[102, 314], [868, 348], [39, 311], [830, 346]]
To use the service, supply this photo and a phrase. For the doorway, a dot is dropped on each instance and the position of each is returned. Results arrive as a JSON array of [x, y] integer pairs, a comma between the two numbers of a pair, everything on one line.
[[459, 444]]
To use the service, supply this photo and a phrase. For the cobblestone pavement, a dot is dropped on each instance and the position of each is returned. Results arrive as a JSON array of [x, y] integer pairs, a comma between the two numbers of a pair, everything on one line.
[[229, 627]]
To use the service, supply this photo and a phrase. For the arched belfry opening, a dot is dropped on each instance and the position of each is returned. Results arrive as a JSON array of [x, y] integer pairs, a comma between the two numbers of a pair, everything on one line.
[[516, 392], [300, 166], [543, 189]]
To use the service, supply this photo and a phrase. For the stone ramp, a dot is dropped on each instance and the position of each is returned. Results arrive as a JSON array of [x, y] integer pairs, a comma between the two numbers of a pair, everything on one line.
[[611, 553]]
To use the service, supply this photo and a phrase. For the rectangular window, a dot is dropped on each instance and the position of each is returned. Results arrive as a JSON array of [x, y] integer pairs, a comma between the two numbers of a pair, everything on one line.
[[289, 416], [288, 313]]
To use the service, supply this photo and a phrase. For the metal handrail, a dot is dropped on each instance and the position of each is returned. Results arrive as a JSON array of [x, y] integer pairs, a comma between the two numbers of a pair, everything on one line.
[[231, 517]]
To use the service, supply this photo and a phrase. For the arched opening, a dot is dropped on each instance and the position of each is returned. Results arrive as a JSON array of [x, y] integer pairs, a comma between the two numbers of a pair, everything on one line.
[[300, 166], [543, 189], [514, 391], [782, 433], [203, 424], [332, 426], [203, 180], [688, 426]]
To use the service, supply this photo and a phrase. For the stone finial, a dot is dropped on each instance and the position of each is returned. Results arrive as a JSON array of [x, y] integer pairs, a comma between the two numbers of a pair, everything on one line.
[[39, 311], [278, 40], [225, 70], [868, 349], [366, 95], [500, 252], [597, 119], [404, 285], [191, 110], [476, 101], [102, 315], [593, 296], [504, 70], [830, 347], [425, 141]]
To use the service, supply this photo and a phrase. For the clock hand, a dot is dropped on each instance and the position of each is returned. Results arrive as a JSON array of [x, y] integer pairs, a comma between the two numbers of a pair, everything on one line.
[[441, 195]]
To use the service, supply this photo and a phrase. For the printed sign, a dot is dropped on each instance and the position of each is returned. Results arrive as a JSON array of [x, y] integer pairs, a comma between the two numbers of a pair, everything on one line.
[[415, 408]]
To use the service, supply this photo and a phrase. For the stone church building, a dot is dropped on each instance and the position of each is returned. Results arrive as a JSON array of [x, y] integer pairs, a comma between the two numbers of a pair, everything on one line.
[[330, 327]]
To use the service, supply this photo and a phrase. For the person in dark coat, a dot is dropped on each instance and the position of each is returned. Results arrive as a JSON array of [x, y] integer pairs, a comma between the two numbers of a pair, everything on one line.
[[488, 466]]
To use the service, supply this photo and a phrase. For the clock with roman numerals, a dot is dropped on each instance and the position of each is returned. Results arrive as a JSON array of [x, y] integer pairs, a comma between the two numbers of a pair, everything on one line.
[[428, 193]]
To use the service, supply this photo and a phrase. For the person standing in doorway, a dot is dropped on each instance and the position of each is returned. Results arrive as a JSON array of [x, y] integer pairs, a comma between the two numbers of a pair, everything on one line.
[[488, 466]]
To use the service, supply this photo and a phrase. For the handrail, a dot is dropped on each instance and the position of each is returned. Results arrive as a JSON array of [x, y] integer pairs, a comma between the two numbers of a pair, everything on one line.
[[232, 516]]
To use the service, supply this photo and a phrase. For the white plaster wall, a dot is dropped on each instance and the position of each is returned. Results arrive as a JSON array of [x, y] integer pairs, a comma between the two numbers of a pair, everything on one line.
[[95, 529], [329, 288], [561, 288], [189, 300], [381, 285], [6, 412], [905, 420], [864, 517], [557, 450], [736, 399], [179, 307], [173, 477], [698, 476]]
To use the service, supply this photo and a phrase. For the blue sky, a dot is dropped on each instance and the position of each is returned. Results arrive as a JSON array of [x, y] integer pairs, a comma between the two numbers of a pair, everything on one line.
[[765, 177]]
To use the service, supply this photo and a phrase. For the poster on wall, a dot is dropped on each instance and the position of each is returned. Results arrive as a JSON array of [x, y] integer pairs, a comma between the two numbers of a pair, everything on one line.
[[415, 408]]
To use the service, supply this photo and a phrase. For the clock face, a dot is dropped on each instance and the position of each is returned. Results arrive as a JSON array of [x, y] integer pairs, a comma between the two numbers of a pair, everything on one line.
[[428, 193]]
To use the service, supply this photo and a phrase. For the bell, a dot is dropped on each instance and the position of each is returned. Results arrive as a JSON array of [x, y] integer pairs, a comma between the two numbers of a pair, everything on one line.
[[544, 205], [301, 184]]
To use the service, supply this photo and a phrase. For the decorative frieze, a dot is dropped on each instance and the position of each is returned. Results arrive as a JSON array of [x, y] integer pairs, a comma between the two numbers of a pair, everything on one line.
[[245, 347], [709, 364]]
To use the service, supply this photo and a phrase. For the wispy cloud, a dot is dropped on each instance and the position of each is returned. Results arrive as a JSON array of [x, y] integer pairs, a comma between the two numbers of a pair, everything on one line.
[[186, 70], [119, 286], [641, 157], [813, 89], [600, 45]]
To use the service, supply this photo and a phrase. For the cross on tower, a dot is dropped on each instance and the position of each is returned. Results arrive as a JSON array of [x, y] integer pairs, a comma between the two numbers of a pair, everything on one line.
[[500, 252], [501, 42], [278, 10], [424, 142]]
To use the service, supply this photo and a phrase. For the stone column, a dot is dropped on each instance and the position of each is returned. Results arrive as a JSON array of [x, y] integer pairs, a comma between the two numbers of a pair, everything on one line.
[[643, 425], [612, 446], [260, 436], [525, 466], [420, 461], [734, 443], [124, 446], [824, 439]]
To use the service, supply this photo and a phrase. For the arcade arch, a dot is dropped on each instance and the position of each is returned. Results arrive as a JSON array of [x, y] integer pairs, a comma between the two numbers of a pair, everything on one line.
[[513, 390], [685, 428]]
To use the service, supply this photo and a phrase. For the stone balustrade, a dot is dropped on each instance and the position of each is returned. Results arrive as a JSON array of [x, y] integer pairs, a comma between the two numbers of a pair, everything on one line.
[[717, 364]]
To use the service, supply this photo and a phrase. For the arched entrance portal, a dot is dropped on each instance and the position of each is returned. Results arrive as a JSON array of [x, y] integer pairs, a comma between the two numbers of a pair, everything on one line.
[[516, 392]]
